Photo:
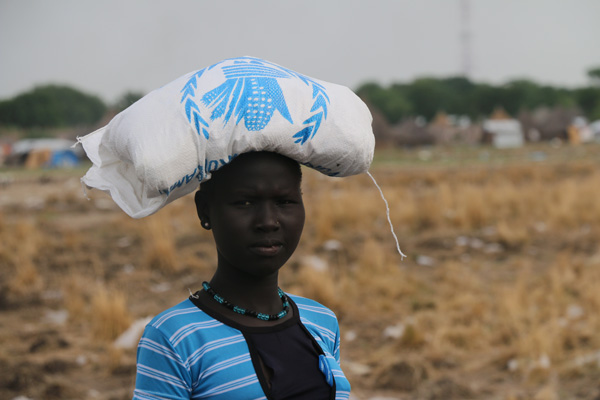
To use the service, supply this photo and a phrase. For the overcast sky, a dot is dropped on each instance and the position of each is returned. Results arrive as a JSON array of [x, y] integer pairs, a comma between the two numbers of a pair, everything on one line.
[[108, 47]]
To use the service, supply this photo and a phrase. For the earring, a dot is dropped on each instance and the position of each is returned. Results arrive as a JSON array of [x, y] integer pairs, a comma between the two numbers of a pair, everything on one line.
[[206, 225]]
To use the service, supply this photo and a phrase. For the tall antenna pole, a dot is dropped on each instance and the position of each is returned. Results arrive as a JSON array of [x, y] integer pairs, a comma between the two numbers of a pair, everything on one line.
[[465, 38]]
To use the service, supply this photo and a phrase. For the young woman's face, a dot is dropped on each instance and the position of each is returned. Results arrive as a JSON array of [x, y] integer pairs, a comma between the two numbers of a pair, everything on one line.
[[256, 213]]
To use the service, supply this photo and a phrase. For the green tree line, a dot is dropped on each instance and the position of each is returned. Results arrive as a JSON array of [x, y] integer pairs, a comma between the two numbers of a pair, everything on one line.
[[57, 106], [458, 95], [51, 106], [54, 106]]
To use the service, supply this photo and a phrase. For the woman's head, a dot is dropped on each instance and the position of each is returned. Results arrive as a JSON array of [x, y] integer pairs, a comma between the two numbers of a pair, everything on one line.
[[254, 207]]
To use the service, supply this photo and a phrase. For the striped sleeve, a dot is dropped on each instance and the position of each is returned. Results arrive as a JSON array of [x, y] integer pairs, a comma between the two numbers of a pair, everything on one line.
[[336, 349], [161, 373]]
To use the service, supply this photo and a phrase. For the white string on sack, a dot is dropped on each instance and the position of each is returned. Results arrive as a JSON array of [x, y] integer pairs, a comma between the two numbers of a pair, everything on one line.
[[84, 189], [387, 212]]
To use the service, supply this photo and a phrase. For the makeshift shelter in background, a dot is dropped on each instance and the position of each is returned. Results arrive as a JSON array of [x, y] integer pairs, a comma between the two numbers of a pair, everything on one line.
[[504, 131], [580, 131], [49, 153], [64, 159]]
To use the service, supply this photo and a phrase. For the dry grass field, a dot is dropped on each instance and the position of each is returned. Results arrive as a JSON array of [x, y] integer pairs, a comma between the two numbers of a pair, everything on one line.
[[499, 297]]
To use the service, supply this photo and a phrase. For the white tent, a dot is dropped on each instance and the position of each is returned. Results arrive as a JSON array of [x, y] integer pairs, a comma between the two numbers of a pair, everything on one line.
[[505, 132]]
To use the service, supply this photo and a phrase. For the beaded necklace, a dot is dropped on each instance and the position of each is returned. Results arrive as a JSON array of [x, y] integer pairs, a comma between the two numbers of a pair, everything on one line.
[[250, 313]]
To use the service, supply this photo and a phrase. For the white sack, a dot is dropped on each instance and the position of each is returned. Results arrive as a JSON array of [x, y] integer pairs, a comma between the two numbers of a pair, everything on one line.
[[164, 145]]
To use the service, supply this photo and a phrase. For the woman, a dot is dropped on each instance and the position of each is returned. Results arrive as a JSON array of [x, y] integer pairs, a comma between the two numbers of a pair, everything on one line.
[[241, 337]]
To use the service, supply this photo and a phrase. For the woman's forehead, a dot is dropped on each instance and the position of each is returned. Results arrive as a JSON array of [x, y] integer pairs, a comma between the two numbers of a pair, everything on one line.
[[253, 171], [254, 177], [257, 157], [257, 165]]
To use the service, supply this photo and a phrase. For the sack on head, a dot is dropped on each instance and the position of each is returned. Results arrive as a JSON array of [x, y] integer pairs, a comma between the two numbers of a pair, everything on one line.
[[164, 145]]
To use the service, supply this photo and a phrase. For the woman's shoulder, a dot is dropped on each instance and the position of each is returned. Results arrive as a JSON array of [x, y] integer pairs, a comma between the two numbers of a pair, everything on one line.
[[183, 314], [312, 309], [319, 320]]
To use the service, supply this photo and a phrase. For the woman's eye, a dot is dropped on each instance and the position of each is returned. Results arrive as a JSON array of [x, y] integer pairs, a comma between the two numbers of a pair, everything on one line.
[[243, 203]]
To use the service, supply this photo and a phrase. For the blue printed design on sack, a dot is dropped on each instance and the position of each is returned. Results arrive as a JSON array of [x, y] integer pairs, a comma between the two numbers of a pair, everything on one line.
[[320, 168], [198, 173], [191, 108], [251, 92]]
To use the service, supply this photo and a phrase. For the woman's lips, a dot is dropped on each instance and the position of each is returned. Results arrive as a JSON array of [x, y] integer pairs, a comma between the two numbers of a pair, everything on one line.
[[266, 249]]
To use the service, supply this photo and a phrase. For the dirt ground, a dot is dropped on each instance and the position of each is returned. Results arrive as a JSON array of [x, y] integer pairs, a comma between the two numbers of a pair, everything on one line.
[[484, 307]]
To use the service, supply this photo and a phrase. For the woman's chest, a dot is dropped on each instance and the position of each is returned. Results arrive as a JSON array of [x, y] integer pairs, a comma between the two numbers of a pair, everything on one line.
[[263, 366]]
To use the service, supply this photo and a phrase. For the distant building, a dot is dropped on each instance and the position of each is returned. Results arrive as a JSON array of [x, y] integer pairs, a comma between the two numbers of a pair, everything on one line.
[[412, 132], [503, 131], [545, 123], [448, 128]]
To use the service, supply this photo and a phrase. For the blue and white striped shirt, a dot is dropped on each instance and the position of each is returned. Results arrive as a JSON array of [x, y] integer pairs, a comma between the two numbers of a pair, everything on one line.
[[187, 354]]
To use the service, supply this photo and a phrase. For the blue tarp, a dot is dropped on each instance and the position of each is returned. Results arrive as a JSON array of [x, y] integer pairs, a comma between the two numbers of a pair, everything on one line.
[[63, 159]]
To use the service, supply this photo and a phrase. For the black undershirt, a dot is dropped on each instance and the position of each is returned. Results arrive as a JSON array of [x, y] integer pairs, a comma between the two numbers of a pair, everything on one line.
[[285, 357]]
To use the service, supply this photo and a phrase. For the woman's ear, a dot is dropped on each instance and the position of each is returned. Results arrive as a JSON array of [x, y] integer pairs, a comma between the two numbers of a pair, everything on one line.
[[202, 209]]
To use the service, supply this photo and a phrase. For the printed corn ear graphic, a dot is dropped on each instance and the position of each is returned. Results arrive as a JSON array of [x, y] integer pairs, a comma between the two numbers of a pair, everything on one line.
[[262, 97], [253, 99]]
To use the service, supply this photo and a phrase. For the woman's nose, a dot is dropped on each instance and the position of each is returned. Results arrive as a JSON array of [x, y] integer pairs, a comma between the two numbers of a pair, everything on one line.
[[266, 217]]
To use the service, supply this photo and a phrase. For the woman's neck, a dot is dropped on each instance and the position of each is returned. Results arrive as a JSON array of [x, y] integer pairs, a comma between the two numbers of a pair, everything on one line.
[[247, 291]]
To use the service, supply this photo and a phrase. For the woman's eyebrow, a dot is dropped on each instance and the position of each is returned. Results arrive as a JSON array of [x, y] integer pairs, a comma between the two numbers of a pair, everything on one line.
[[252, 190], [243, 189]]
